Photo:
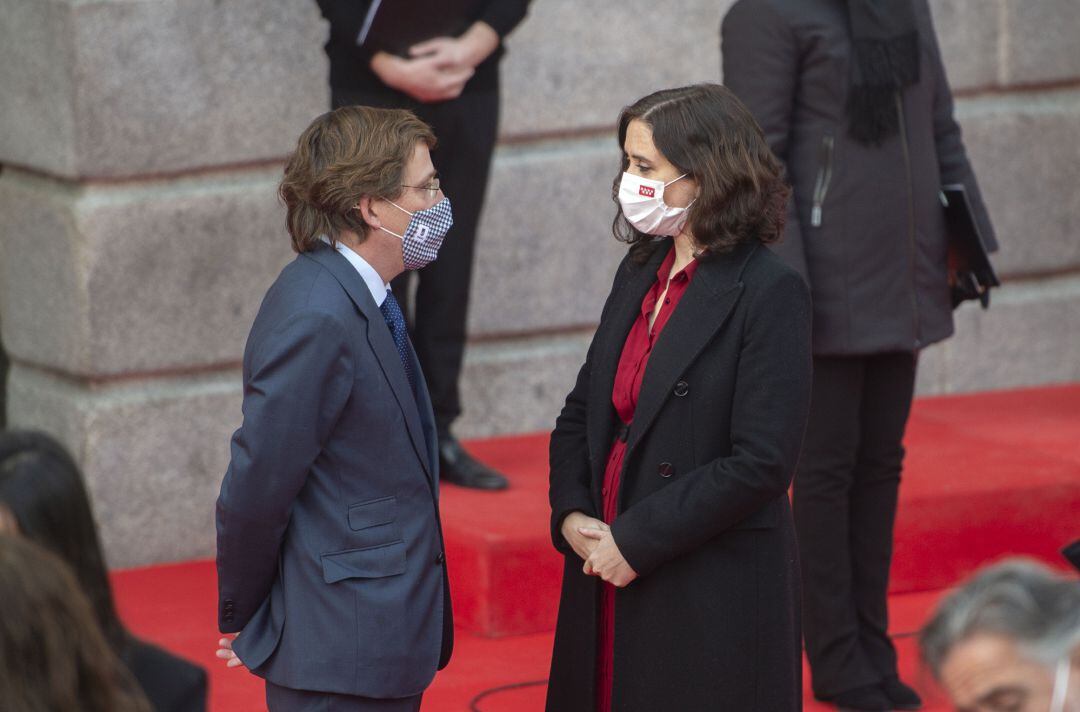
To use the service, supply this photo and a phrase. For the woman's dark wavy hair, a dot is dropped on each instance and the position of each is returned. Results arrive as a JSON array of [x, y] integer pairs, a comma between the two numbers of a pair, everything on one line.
[[52, 653], [707, 133], [42, 488]]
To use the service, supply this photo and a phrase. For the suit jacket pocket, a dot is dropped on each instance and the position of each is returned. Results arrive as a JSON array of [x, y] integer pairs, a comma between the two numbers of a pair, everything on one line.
[[372, 513], [370, 562]]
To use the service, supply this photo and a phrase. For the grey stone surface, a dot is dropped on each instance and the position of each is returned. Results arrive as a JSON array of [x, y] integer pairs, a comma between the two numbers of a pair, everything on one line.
[[140, 87], [1029, 336], [545, 253], [518, 385], [1026, 155], [574, 65], [37, 118], [43, 302], [930, 376], [155, 276], [969, 35], [1040, 45], [153, 455]]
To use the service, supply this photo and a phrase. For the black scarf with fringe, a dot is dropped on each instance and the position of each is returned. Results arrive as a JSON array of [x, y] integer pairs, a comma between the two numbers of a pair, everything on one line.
[[885, 60]]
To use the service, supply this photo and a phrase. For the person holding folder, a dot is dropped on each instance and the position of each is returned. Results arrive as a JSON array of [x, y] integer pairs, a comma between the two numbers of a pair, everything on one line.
[[853, 98], [439, 59]]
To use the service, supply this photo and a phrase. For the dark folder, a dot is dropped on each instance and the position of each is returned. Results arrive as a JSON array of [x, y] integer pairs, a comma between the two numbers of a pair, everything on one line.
[[973, 275], [396, 25]]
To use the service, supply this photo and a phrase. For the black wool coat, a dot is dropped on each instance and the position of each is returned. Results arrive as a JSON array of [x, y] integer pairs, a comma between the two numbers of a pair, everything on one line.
[[866, 226], [712, 621]]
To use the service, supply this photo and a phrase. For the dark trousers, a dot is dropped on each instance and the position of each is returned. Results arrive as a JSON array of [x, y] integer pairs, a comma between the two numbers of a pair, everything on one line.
[[845, 500], [284, 699], [466, 129]]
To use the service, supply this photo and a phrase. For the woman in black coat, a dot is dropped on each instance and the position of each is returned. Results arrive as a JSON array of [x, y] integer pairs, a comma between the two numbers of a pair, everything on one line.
[[42, 498], [853, 98], [670, 465]]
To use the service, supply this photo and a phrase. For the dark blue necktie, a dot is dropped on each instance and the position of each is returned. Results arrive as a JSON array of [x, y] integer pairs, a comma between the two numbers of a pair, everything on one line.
[[391, 311]]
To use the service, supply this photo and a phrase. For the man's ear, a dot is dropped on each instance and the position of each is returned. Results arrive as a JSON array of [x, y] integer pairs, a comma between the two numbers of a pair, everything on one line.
[[365, 206]]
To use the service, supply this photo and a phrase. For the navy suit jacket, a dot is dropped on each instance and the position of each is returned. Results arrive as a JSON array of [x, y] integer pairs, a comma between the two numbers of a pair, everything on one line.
[[329, 546]]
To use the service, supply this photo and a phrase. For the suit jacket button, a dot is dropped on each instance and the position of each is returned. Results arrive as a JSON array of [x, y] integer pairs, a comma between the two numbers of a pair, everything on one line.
[[666, 469], [682, 388], [440, 558]]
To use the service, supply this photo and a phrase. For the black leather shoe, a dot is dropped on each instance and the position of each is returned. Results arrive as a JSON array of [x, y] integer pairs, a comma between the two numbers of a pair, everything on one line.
[[902, 696], [862, 699], [460, 468]]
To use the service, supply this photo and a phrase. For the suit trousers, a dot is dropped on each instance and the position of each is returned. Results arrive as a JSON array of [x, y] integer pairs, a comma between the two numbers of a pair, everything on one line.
[[845, 497], [466, 129], [285, 699]]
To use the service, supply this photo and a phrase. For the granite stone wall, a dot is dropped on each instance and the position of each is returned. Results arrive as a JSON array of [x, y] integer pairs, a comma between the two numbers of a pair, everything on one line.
[[141, 142]]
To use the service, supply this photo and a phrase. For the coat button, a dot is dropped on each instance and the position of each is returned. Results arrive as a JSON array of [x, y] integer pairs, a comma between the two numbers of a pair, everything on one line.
[[666, 469], [682, 388], [440, 558]]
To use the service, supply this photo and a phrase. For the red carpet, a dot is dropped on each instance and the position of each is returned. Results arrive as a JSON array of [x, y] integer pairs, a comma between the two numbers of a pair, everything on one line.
[[987, 475]]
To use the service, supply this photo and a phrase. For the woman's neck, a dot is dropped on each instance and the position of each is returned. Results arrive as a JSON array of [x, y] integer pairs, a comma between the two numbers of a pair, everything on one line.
[[684, 252]]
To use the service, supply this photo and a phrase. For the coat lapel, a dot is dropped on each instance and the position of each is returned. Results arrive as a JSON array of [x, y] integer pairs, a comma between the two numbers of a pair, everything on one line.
[[382, 344], [703, 309], [609, 340]]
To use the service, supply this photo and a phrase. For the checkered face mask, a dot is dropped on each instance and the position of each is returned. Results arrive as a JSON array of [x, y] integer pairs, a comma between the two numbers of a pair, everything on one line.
[[424, 236]]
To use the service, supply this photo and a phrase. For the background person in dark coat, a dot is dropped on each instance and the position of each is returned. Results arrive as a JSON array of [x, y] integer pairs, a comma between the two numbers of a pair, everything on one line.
[[716, 385], [42, 498], [452, 84], [853, 98]]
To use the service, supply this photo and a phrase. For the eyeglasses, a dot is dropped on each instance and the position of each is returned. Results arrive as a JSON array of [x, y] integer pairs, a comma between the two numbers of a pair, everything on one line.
[[432, 187]]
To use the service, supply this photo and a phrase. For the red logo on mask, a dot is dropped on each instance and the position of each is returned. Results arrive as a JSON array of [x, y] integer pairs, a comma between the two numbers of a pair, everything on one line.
[[647, 191]]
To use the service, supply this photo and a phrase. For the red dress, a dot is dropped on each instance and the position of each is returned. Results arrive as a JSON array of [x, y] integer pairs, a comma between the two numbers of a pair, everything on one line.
[[632, 363]]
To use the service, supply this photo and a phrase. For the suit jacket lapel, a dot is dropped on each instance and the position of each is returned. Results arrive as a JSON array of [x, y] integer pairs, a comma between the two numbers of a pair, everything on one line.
[[609, 341], [706, 305], [382, 344]]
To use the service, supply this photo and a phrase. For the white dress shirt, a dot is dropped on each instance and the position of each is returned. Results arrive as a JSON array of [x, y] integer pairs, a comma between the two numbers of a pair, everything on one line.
[[374, 282]]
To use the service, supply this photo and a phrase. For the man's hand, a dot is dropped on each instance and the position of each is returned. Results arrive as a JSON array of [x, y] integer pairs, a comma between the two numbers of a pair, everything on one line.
[[420, 78], [225, 652], [606, 561], [572, 526]]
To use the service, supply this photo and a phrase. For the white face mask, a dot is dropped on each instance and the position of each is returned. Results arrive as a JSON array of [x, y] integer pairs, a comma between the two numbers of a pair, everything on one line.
[[1061, 685], [642, 202]]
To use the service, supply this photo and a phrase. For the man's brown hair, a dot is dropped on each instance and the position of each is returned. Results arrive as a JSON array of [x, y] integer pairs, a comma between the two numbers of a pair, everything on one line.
[[345, 154]]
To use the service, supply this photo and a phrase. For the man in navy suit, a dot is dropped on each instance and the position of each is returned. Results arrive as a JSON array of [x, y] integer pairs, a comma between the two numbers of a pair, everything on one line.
[[330, 551]]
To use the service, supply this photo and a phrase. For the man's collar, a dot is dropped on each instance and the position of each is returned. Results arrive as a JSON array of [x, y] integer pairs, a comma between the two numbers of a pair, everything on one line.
[[374, 282]]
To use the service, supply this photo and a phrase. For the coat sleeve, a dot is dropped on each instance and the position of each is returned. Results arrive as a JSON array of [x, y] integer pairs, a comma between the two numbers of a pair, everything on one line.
[[952, 157], [570, 473], [760, 57], [346, 18], [768, 418], [300, 378], [504, 15]]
